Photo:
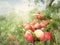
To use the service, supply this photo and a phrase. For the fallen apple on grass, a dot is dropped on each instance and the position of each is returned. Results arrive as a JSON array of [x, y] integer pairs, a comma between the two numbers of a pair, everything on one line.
[[43, 36], [39, 16], [29, 36], [39, 34], [28, 27]]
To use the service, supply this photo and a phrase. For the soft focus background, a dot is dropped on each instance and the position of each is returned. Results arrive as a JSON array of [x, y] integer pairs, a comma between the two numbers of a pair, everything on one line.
[[21, 7], [15, 13]]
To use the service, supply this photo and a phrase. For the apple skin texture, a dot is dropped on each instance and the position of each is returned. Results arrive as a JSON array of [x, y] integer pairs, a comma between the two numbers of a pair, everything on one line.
[[48, 36], [28, 27], [29, 36], [43, 36]]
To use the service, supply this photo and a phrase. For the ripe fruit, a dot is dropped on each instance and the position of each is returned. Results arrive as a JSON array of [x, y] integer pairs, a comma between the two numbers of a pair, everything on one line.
[[42, 29], [39, 16], [28, 27], [42, 24], [37, 26], [42, 36], [39, 34], [48, 36], [29, 36], [36, 16], [33, 28], [47, 22]]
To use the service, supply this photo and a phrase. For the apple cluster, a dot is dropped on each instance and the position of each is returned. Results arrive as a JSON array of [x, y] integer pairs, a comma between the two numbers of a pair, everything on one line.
[[35, 29]]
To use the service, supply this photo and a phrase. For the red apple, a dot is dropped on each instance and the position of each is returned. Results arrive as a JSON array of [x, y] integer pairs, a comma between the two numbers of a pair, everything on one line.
[[29, 36], [42, 29], [36, 16], [42, 24], [43, 36], [39, 34], [28, 27], [33, 28], [37, 26], [47, 22], [48, 36], [41, 16]]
